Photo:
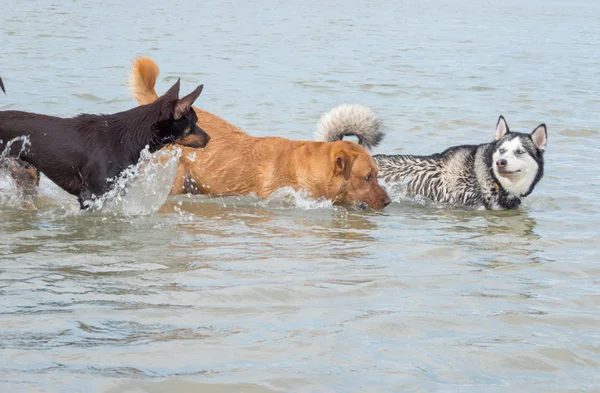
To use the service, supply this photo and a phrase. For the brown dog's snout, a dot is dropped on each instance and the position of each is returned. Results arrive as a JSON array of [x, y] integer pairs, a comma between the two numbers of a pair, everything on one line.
[[378, 200], [386, 200]]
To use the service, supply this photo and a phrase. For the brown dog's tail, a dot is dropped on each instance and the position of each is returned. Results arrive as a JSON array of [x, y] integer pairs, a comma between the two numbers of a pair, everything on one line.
[[143, 78]]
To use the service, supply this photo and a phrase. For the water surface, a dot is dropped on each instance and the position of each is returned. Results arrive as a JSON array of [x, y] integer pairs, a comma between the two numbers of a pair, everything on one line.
[[294, 295]]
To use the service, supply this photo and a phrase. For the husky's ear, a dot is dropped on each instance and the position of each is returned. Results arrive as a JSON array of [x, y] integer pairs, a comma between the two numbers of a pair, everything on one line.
[[173, 92], [540, 137], [184, 105], [501, 128]]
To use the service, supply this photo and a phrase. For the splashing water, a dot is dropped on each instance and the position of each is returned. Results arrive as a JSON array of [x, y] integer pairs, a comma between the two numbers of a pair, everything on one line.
[[142, 188], [287, 197], [10, 194], [25, 142], [399, 194]]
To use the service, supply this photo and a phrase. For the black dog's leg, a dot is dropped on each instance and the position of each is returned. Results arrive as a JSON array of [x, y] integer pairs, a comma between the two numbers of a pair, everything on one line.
[[85, 198]]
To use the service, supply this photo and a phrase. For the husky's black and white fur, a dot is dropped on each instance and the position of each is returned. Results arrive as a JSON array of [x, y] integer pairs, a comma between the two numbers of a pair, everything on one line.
[[492, 176]]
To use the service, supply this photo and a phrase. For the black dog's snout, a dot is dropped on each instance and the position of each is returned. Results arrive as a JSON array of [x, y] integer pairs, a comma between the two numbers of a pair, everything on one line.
[[501, 162]]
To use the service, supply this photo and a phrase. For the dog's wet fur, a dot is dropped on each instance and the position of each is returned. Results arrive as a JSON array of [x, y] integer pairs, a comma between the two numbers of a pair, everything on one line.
[[83, 154], [492, 176]]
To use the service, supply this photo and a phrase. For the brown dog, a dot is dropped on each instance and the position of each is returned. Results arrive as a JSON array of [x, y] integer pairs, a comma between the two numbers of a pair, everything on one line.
[[235, 163]]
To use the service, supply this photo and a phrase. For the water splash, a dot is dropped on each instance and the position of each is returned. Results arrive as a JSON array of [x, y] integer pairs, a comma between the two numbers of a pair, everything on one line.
[[25, 142], [141, 188], [10, 194], [399, 194], [287, 197]]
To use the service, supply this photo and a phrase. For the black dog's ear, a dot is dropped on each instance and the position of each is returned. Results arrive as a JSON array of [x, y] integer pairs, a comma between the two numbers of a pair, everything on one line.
[[501, 128], [2, 86], [174, 90], [183, 105]]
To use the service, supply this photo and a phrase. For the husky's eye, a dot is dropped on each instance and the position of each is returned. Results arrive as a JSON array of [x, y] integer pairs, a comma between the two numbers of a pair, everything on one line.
[[519, 152], [501, 151], [368, 177]]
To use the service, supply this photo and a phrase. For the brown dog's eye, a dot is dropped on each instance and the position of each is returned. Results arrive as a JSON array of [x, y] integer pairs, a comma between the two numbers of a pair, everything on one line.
[[368, 177]]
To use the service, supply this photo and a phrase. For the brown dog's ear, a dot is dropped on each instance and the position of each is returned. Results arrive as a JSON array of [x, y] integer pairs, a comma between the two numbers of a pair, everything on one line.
[[174, 90], [343, 165], [184, 105]]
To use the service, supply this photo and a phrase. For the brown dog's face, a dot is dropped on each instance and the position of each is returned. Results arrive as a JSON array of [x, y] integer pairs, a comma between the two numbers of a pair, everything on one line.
[[355, 178]]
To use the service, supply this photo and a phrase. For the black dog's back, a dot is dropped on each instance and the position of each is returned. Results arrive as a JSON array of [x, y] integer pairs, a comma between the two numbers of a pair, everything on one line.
[[51, 144]]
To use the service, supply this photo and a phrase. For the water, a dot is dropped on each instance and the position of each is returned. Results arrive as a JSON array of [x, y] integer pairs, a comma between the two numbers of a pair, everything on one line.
[[294, 295]]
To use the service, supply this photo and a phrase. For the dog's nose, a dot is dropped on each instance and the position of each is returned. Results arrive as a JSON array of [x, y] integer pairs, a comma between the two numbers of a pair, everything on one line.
[[386, 201], [501, 162]]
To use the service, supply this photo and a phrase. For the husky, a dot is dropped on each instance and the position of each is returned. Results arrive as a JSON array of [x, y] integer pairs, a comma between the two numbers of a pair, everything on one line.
[[490, 176]]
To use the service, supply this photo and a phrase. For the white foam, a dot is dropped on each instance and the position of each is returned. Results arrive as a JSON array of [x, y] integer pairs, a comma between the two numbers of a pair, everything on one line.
[[287, 197]]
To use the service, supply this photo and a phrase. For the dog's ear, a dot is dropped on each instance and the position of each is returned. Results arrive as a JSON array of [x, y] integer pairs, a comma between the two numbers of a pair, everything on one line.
[[343, 165], [501, 128], [173, 92], [540, 136], [184, 105]]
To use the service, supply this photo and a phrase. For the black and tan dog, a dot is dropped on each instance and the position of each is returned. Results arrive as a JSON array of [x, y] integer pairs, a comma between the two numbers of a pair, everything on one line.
[[83, 154]]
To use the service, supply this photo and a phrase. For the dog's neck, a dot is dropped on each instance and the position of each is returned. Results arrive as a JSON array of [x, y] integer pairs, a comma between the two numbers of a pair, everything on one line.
[[296, 171], [135, 130]]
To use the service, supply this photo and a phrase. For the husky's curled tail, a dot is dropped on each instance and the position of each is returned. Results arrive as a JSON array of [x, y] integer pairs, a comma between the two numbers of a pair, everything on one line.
[[350, 120]]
